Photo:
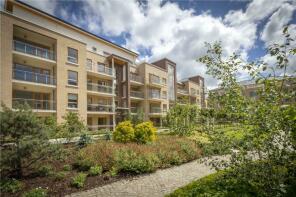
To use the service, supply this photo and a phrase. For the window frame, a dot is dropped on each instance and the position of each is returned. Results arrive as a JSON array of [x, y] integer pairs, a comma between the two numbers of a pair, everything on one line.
[[73, 80], [72, 102], [71, 58]]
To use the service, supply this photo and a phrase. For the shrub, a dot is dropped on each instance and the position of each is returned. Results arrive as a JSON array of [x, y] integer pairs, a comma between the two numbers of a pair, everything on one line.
[[84, 140], [79, 180], [82, 164], [37, 192], [129, 161], [95, 170], [60, 175], [124, 132], [45, 170], [67, 167], [145, 132], [10, 185], [113, 171]]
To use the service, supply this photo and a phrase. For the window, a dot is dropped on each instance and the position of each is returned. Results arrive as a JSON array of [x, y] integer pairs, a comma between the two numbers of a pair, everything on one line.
[[165, 108], [72, 55], [94, 49], [88, 64], [73, 101], [102, 121], [164, 81], [164, 94], [253, 94], [72, 78]]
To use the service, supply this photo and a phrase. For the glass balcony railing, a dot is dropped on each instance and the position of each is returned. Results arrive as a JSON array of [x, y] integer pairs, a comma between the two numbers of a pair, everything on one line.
[[157, 80], [181, 91], [137, 94], [33, 50], [33, 77], [101, 126], [136, 109], [99, 108], [154, 95], [99, 88], [136, 78], [35, 104], [155, 110], [99, 69]]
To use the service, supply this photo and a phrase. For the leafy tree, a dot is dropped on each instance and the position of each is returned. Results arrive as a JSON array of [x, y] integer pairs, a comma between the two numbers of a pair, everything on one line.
[[72, 126], [24, 140], [266, 162], [182, 119]]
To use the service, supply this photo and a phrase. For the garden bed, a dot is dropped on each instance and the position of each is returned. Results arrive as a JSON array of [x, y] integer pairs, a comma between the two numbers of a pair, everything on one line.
[[118, 161]]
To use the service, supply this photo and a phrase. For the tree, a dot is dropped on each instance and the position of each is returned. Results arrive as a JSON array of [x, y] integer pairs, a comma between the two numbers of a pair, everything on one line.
[[73, 125], [182, 119], [24, 140], [265, 164]]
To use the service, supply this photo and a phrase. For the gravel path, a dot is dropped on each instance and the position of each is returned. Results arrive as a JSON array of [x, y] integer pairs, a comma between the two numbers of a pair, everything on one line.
[[155, 184]]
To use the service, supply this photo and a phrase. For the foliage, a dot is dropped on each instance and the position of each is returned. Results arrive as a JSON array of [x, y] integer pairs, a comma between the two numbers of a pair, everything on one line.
[[95, 170], [145, 132], [84, 140], [71, 126], [29, 137], [60, 175], [129, 161], [67, 167], [45, 170], [269, 139], [10, 185], [124, 132], [182, 119], [167, 150], [78, 180], [37, 192]]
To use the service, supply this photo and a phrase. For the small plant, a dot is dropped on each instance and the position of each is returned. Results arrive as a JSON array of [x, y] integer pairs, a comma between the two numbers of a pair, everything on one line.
[[82, 164], [84, 140], [113, 171], [45, 170], [67, 167], [79, 180], [95, 170], [10, 185], [124, 132], [60, 175], [37, 192], [145, 132]]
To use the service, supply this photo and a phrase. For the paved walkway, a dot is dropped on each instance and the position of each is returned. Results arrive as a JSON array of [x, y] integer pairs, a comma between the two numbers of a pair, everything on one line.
[[156, 184]]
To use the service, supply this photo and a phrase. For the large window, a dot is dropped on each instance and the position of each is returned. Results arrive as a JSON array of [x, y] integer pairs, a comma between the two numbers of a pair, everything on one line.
[[89, 64], [72, 55], [72, 101], [72, 78]]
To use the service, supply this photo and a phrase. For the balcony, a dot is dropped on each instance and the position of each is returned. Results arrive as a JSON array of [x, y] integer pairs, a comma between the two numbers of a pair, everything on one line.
[[99, 69], [33, 77], [99, 88], [135, 110], [29, 49], [182, 91], [100, 108], [98, 127], [36, 105], [155, 110], [155, 95], [155, 80], [137, 94], [136, 78]]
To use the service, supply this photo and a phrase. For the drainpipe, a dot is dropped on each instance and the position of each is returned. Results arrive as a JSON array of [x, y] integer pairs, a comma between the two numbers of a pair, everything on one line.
[[113, 92]]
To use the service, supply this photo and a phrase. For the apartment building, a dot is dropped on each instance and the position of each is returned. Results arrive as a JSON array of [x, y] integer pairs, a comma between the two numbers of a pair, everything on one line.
[[56, 67], [191, 91]]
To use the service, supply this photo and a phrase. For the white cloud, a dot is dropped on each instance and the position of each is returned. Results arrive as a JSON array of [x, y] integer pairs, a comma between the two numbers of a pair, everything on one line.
[[48, 6], [272, 32]]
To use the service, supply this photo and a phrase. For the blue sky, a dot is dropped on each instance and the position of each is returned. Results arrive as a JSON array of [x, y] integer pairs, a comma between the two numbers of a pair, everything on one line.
[[178, 29]]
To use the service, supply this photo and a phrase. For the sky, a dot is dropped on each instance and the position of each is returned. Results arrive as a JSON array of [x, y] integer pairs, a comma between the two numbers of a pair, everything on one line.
[[178, 29]]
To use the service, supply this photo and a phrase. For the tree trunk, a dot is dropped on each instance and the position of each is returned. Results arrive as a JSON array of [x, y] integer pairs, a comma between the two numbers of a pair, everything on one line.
[[18, 162]]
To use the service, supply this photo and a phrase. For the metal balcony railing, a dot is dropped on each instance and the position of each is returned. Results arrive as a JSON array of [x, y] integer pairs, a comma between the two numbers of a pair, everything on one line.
[[136, 78], [155, 110], [99, 108], [99, 68], [99, 88], [137, 94], [35, 104], [33, 77], [33, 50]]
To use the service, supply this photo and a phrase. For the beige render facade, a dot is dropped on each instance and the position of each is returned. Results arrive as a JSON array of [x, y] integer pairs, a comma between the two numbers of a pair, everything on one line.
[[56, 67]]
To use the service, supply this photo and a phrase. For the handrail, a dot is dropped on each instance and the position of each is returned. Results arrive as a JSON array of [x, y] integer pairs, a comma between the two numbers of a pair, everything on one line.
[[99, 107], [99, 68], [33, 77], [33, 50], [136, 78], [155, 110], [137, 94], [99, 88], [35, 104]]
